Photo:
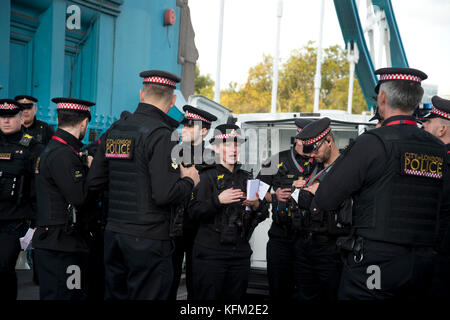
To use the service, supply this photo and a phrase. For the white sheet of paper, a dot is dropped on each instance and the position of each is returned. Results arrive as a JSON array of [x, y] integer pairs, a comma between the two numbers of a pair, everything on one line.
[[295, 195], [262, 190], [25, 241], [252, 189]]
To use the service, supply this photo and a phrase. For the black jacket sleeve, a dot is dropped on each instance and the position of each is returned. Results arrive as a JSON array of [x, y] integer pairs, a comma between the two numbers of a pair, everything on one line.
[[97, 178], [167, 186], [205, 199]]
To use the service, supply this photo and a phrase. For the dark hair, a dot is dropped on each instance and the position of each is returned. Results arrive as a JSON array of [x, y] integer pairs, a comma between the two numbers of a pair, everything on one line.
[[403, 95], [160, 92], [71, 118]]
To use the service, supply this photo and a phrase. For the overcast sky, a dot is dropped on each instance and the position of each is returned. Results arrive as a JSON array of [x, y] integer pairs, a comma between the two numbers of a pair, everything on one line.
[[250, 32]]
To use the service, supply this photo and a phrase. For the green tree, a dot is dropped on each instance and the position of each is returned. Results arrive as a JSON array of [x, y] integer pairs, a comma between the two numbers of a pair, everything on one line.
[[203, 84], [296, 84]]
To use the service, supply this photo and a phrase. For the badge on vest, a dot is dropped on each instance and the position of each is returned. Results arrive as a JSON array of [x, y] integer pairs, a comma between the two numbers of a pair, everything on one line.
[[5, 156], [422, 165], [78, 174], [119, 148]]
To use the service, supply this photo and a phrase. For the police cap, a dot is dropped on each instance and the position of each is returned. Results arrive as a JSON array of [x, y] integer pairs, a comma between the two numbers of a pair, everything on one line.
[[227, 132], [72, 104], [160, 77], [313, 133], [399, 74], [440, 109], [9, 107], [26, 101], [192, 114], [301, 123]]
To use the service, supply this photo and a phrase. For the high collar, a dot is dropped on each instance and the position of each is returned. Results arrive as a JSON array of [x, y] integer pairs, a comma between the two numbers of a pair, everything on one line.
[[12, 137], [70, 139], [391, 120], [152, 111], [222, 169], [33, 124]]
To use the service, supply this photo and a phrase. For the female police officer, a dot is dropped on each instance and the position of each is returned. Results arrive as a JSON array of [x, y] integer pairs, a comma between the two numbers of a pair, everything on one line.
[[221, 254]]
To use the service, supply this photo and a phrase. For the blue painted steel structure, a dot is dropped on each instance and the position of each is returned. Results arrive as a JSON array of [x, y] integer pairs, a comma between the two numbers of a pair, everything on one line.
[[100, 62], [352, 32]]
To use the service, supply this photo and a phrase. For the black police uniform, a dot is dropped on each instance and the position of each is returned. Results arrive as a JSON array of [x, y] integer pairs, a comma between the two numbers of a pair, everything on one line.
[[221, 253], [61, 240], [39, 130], [395, 208], [184, 241], [282, 255], [19, 153], [134, 163], [319, 265], [441, 279]]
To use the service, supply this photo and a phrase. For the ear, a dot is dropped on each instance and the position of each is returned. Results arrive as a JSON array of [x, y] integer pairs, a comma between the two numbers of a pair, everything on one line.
[[141, 95], [174, 99], [381, 97]]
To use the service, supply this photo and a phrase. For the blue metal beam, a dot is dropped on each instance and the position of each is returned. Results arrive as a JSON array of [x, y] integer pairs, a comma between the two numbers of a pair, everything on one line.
[[348, 17]]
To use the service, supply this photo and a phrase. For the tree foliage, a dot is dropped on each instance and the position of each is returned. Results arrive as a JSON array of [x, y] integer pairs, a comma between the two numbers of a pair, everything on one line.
[[295, 85]]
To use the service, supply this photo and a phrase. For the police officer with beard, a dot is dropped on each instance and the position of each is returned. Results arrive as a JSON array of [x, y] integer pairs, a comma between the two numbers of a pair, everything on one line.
[[319, 265], [134, 163], [282, 172], [221, 254], [394, 174], [61, 240], [38, 129], [19, 153], [196, 124], [437, 122]]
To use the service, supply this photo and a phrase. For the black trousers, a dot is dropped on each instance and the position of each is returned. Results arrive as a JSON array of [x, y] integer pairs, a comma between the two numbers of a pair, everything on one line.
[[440, 287], [281, 256], [96, 266], [137, 268], [183, 245], [10, 232], [62, 275], [402, 272], [317, 268], [219, 275]]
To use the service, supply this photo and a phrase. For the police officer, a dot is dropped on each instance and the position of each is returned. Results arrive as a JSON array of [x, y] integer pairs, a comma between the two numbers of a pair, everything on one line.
[[18, 154], [281, 172], [144, 183], [61, 240], [394, 174], [40, 130], [319, 265], [221, 254], [196, 124], [437, 122]]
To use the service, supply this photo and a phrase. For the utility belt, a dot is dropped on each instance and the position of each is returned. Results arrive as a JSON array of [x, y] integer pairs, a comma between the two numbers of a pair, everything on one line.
[[235, 224], [12, 187]]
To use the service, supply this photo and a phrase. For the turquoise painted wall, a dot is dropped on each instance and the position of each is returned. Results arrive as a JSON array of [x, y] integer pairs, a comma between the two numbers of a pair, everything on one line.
[[101, 62]]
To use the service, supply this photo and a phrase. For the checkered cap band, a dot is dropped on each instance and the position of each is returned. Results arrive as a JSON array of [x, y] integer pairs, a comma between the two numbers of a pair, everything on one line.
[[320, 136], [399, 76], [71, 106], [8, 106], [440, 112], [226, 136], [160, 80], [193, 116]]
